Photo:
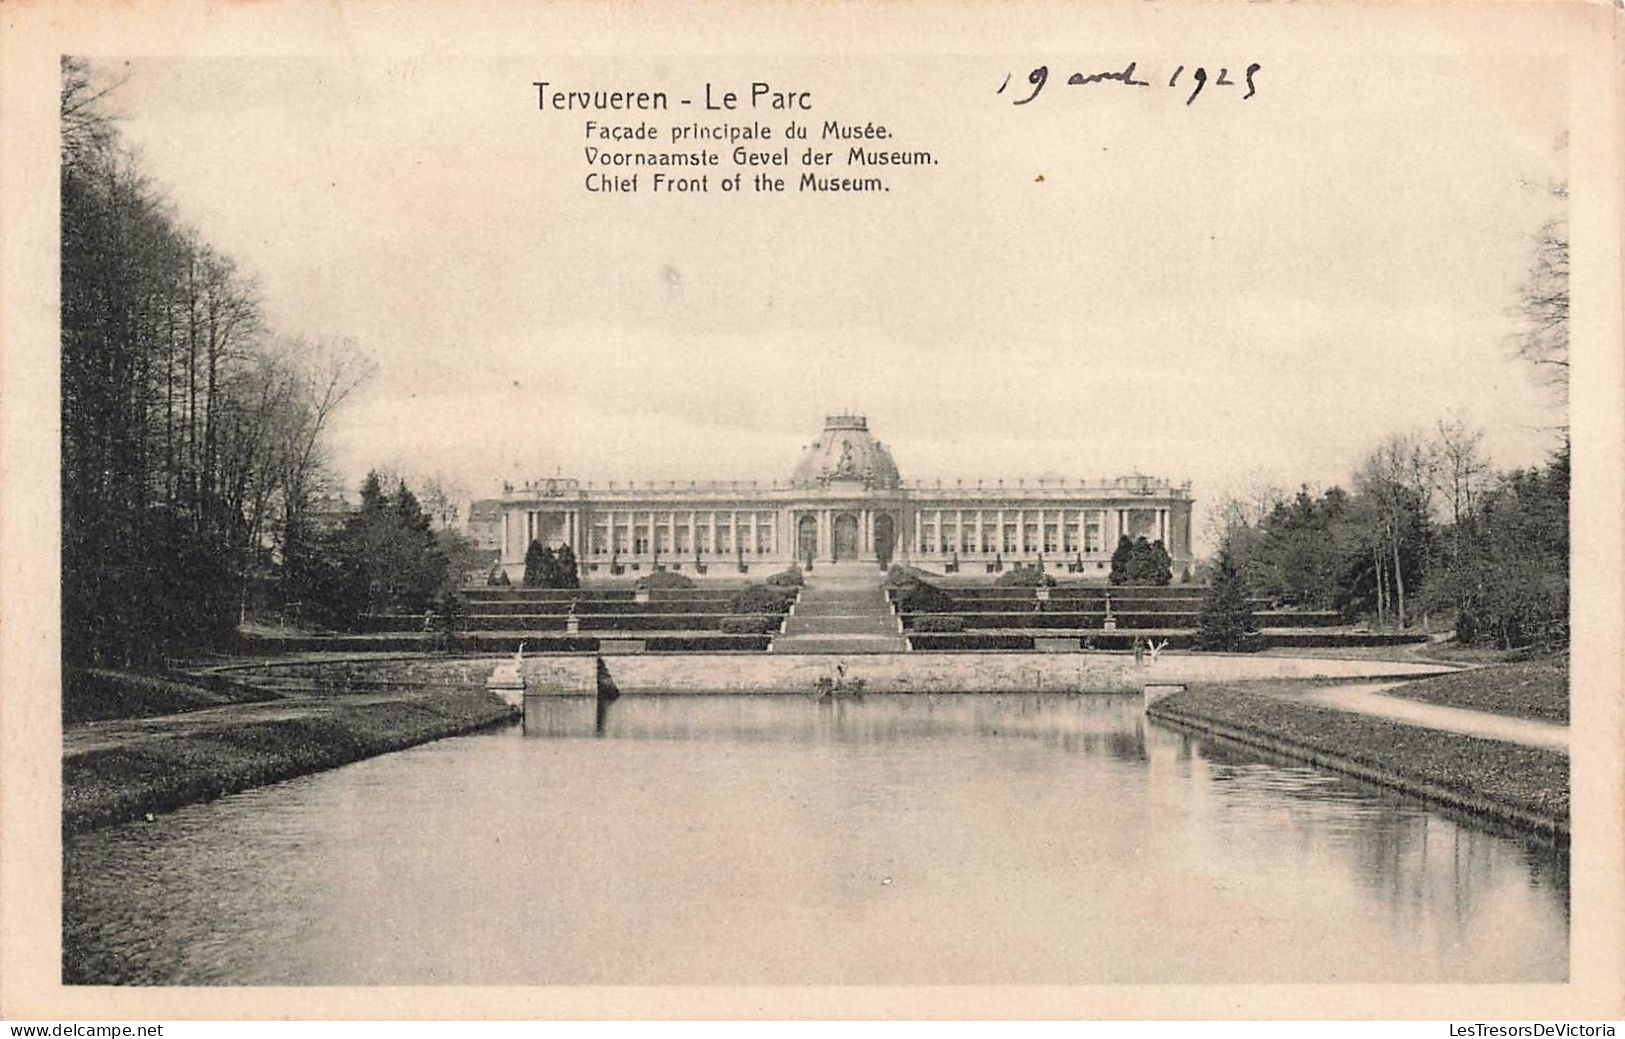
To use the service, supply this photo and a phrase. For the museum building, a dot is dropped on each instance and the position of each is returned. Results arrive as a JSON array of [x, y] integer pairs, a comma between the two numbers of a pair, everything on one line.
[[844, 501]]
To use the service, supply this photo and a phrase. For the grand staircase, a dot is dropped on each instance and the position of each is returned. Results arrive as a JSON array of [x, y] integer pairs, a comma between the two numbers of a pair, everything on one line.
[[842, 609]]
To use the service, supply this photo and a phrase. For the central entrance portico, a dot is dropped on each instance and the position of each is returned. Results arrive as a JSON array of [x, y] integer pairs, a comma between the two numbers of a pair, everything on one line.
[[846, 538]]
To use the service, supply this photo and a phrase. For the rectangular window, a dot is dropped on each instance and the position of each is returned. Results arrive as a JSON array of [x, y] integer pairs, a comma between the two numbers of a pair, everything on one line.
[[662, 539], [640, 541], [620, 539], [702, 538], [724, 538], [928, 540], [682, 541], [1009, 537], [967, 539], [1071, 535], [1092, 536], [764, 538], [1051, 541], [600, 540]]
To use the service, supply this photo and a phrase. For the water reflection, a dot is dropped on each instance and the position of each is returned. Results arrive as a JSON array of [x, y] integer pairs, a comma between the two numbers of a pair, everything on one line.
[[800, 719], [778, 840]]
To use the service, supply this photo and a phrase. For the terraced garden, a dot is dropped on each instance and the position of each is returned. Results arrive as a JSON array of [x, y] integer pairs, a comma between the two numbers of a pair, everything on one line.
[[1077, 616], [590, 620]]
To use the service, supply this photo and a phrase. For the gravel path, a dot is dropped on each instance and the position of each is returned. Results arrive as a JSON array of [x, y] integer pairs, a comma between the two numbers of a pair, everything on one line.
[[1372, 699]]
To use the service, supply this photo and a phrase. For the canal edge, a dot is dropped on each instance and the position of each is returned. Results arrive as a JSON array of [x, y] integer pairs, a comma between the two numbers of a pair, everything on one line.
[[1539, 824]]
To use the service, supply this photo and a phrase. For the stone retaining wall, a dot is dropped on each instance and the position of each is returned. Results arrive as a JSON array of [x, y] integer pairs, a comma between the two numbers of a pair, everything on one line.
[[743, 673]]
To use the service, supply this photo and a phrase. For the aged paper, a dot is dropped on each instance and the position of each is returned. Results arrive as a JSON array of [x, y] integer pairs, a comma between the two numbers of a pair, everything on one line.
[[1080, 237]]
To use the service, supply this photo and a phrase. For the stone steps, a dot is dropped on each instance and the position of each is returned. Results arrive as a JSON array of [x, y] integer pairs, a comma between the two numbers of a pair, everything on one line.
[[846, 625], [839, 644], [842, 609], [859, 606]]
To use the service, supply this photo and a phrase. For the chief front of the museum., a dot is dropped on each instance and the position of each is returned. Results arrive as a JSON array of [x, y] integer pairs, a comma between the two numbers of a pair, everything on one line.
[[845, 502]]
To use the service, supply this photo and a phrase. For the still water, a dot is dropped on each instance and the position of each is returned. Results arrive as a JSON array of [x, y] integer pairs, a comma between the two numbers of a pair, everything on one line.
[[775, 840]]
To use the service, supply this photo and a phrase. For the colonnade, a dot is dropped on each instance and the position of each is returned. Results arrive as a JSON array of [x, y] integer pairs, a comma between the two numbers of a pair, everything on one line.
[[925, 531], [1026, 531]]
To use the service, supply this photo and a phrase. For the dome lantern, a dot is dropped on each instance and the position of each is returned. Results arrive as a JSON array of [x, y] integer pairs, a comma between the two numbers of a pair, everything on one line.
[[846, 453]]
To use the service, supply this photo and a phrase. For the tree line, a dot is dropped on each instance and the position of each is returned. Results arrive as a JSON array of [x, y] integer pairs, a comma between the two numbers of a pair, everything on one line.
[[1429, 527], [191, 432], [1429, 530]]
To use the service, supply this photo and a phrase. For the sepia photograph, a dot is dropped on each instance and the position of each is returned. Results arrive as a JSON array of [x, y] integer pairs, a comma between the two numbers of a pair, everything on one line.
[[1084, 504]]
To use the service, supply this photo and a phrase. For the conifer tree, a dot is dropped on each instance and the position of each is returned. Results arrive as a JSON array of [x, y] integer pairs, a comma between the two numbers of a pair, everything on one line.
[[1162, 564], [566, 573], [538, 565], [1226, 619], [1120, 560], [1141, 566]]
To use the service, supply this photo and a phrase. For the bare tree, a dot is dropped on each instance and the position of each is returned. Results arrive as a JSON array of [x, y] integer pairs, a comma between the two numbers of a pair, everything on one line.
[[87, 128], [1463, 472], [1544, 307], [1394, 485], [327, 373], [1243, 505]]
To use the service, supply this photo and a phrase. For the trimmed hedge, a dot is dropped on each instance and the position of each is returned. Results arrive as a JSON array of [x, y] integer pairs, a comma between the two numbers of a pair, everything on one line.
[[913, 595], [790, 578], [749, 624], [970, 642], [664, 579], [1025, 577], [939, 623], [633, 622], [707, 643], [564, 595], [761, 599]]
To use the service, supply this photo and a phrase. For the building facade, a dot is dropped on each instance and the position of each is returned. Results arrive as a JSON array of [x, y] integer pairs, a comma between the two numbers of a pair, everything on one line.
[[844, 501]]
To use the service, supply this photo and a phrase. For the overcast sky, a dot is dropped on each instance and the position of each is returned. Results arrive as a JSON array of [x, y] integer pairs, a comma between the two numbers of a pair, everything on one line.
[[1209, 292]]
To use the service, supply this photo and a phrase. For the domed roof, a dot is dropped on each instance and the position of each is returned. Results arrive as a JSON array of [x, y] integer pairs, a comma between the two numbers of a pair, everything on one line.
[[846, 453]]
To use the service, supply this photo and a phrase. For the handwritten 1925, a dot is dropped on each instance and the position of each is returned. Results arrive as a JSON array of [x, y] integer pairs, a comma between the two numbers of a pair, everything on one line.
[[1199, 78]]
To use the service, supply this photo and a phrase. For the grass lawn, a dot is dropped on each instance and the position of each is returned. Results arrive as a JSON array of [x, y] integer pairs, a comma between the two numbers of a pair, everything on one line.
[[100, 694], [1537, 689], [153, 772], [1483, 775]]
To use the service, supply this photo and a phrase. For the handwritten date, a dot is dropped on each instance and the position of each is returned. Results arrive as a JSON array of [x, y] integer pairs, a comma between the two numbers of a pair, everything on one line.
[[1199, 77]]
